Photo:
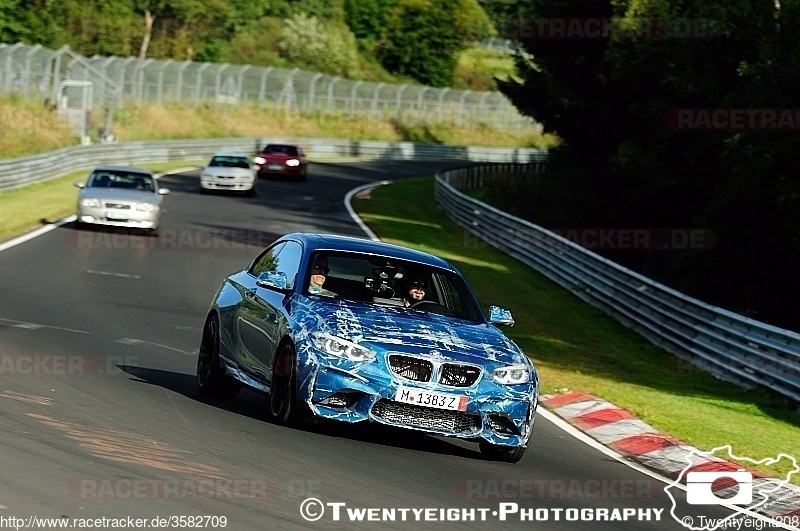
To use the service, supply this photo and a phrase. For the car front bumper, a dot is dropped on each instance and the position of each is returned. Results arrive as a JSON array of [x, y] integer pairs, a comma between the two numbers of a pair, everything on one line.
[[123, 218], [280, 169], [500, 414], [227, 184]]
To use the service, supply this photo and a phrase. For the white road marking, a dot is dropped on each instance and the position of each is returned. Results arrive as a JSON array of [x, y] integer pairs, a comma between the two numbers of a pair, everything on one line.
[[132, 341], [37, 326], [111, 274]]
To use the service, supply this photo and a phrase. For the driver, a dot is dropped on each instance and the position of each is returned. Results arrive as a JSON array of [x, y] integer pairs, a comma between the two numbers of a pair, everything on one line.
[[415, 292]]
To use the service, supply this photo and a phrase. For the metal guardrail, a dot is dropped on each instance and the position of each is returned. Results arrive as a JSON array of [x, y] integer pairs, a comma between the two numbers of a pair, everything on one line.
[[19, 172], [730, 346]]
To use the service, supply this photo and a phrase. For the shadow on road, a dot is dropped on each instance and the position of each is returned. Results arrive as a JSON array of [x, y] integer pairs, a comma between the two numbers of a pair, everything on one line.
[[254, 405]]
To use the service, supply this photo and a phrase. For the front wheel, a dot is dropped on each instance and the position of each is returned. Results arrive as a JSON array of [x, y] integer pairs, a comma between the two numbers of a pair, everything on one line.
[[283, 405], [496, 452], [211, 378]]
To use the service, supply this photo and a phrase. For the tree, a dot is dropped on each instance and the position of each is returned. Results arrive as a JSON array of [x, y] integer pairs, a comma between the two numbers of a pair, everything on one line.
[[624, 162], [421, 38], [367, 18], [12, 27]]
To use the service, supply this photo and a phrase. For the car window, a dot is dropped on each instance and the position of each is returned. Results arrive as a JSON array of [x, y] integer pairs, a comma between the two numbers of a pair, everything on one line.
[[284, 257], [229, 162], [278, 148], [267, 261], [385, 281], [288, 261], [122, 179]]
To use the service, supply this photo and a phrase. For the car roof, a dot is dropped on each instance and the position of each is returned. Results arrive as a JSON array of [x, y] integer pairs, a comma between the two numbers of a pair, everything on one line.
[[334, 242], [118, 167]]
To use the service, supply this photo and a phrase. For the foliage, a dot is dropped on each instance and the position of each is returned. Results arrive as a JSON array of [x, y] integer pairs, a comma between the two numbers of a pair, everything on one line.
[[11, 28], [626, 162], [308, 44], [422, 38], [367, 18]]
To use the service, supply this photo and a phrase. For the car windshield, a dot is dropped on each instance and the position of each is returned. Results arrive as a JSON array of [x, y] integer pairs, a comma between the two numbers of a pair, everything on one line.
[[387, 281], [224, 161], [122, 179], [279, 148]]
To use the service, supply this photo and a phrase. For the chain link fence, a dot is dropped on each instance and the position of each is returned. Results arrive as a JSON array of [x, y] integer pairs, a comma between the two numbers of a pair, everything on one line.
[[117, 82]]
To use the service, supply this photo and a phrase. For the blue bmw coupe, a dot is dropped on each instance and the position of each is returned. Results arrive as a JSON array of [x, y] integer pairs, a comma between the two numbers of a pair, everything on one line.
[[355, 330]]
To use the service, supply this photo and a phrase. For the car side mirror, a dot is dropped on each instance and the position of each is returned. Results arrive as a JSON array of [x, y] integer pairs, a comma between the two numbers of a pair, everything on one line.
[[79, 184], [273, 279], [500, 316], [163, 191]]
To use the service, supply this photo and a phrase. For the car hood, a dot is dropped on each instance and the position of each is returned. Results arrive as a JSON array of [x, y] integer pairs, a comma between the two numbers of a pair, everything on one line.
[[222, 171], [409, 331], [121, 194], [278, 157]]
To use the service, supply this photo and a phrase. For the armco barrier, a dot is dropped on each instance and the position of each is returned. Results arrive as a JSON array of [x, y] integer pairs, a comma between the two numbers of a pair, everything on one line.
[[728, 345], [18, 172]]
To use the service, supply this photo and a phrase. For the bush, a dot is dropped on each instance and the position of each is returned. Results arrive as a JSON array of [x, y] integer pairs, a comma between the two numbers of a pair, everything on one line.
[[309, 44]]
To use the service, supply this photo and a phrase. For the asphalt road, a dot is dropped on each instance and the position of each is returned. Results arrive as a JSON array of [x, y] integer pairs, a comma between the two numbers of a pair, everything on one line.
[[100, 417]]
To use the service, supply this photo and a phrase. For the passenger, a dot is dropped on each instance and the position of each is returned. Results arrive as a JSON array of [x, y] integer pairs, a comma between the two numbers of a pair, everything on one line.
[[319, 274]]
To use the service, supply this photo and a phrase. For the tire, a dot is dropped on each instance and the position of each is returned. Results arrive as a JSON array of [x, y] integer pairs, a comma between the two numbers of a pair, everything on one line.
[[283, 405], [251, 192], [496, 452], [211, 378]]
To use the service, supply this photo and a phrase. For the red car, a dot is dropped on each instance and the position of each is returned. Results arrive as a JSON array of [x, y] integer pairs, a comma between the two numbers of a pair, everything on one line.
[[282, 159]]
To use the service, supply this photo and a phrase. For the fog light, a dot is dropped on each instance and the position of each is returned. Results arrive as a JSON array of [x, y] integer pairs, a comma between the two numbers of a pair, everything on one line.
[[340, 399], [502, 424]]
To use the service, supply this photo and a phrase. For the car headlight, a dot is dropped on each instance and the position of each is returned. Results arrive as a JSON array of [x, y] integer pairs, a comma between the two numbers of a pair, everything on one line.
[[90, 202], [146, 207], [336, 346], [512, 374], [293, 162], [259, 160]]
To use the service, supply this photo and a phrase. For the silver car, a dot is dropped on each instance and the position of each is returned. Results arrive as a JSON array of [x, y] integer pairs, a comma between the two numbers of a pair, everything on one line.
[[229, 171], [121, 196]]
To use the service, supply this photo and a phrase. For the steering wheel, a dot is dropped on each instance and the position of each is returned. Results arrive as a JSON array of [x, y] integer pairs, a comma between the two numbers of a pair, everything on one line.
[[433, 307]]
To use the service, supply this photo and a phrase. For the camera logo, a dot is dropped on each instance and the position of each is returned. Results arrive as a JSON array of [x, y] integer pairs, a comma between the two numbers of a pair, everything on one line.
[[701, 487]]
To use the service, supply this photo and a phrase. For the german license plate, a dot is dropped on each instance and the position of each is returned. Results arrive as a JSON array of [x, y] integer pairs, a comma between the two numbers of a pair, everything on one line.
[[276, 167], [112, 215], [421, 397]]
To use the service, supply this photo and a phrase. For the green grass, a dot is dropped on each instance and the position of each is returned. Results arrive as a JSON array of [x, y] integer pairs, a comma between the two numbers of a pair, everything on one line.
[[577, 347], [46, 202]]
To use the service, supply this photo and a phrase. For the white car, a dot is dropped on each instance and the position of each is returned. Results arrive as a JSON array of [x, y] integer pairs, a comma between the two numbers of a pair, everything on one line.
[[229, 171]]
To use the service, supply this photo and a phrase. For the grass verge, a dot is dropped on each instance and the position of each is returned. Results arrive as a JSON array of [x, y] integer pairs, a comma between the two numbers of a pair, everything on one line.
[[577, 347]]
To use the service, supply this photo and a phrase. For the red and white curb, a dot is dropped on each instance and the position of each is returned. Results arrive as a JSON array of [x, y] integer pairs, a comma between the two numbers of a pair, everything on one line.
[[637, 441]]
